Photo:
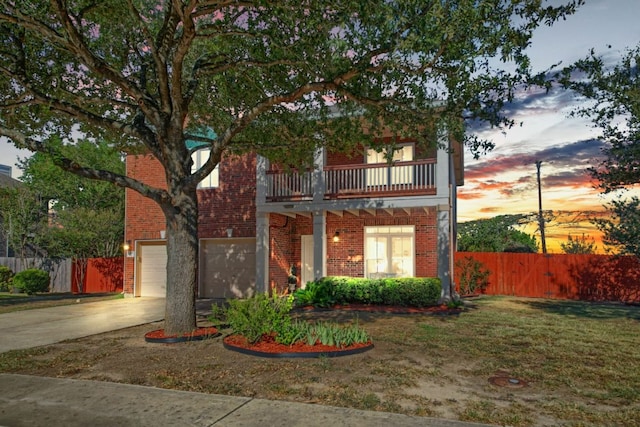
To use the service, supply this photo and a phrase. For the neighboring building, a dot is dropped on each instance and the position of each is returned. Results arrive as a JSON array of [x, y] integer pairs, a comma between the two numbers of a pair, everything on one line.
[[352, 216], [5, 170]]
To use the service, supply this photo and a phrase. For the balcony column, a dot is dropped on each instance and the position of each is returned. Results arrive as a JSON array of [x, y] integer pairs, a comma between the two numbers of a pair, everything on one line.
[[319, 244], [262, 252], [318, 175], [444, 251], [442, 166], [262, 227], [262, 165]]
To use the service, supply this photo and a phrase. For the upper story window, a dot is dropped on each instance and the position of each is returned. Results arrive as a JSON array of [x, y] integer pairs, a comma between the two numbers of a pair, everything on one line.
[[393, 174], [199, 158]]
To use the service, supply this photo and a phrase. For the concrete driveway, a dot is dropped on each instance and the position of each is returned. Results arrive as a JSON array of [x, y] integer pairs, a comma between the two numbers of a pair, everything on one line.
[[43, 326]]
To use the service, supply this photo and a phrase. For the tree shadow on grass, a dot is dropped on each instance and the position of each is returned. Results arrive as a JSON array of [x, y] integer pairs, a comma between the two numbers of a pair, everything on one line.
[[587, 309]]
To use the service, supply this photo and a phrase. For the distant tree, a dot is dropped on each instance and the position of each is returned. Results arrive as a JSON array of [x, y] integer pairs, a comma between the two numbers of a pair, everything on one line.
[[86, 217], [66, 190], [616, 110], [622, 231], [579, 245], [279, 78], [498, 234], [24, 222]]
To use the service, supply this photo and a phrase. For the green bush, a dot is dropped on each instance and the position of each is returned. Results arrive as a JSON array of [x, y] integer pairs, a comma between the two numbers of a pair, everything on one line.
[[253, 317], [409, 291], [32, 281], [6, 277], [474, 276]]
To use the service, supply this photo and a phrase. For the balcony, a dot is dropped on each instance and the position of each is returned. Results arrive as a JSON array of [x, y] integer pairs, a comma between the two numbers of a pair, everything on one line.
[[355, 181]]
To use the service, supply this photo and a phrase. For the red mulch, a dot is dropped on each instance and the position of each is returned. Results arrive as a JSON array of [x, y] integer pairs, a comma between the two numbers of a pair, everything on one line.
[[267, 344]]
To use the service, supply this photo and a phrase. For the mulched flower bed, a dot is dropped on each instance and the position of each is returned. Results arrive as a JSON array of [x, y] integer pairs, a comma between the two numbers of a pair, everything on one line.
[[268, 347], [199, 334]]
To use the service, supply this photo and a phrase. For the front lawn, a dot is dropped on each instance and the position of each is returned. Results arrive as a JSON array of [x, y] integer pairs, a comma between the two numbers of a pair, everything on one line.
[[576, 363]]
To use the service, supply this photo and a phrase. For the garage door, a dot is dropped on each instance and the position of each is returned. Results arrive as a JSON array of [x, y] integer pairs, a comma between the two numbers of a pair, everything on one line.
[[227, 268], [152, 271]]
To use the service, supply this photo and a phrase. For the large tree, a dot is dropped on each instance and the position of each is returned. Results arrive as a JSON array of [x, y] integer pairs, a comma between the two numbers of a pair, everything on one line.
[[614, 92], [277, 77]]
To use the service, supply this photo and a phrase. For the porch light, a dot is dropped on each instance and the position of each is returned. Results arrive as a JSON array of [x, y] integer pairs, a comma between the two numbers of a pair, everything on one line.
[[336, 237], [127, 249]]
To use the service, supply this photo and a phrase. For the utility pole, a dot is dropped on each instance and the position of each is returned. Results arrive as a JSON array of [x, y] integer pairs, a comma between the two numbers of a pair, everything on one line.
[[540, 217]]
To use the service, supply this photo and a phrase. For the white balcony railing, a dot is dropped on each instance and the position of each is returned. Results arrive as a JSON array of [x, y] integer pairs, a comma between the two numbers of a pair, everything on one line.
[[356, 181]]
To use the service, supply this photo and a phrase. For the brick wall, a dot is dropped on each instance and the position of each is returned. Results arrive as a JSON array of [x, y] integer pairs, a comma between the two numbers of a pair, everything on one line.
[[231, 205], [282, 254], [346, 257]]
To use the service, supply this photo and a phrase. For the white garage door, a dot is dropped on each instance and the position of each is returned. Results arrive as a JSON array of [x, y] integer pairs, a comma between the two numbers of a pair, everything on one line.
[[152, 272], [227, 268]]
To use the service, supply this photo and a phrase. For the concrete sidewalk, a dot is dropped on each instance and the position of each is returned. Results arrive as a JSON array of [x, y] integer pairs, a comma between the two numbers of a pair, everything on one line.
[[44, 326], [52, 402]]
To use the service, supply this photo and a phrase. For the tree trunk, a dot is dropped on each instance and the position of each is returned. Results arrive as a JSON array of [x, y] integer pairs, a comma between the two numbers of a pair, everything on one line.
[[182, 258]]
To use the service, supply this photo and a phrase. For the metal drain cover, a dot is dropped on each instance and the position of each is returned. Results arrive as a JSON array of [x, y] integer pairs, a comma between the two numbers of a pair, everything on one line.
[[510, 382]]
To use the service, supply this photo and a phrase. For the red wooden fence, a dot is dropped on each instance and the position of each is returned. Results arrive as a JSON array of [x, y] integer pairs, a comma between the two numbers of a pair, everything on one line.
[[102, 275], [561, 276]]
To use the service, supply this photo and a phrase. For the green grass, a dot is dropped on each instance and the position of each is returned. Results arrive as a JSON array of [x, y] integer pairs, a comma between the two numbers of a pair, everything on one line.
[[583, 350], [580, 361], [10, 296]]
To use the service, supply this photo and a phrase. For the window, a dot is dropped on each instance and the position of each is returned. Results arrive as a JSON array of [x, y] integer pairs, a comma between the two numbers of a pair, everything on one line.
[[388, 251], [393, 174], [199, 158]]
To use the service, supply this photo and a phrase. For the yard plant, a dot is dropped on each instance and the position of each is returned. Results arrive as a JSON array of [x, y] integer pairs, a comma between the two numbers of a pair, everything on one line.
[[32, 281], [6, 277], [409, 291], [261, 315]]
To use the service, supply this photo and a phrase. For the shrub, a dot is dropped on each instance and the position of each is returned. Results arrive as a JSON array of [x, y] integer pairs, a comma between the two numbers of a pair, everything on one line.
[[32, 281], [6, 276], [410, 291], [262, 315], [474, 276], [253, 317]]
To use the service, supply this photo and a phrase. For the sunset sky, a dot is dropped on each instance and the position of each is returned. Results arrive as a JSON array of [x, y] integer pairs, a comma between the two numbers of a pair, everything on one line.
[[504, 181]]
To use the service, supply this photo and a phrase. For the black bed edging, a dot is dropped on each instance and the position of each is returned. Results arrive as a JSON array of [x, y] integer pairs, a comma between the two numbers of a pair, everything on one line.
[[306, 354]]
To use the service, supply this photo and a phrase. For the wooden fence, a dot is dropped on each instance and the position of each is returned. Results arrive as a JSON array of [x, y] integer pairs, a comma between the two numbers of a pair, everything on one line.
[[59, 270], [560, 276], [102, 275]]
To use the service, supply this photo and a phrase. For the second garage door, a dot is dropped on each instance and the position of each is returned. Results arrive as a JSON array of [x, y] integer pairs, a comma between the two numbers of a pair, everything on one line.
[[227, 268]]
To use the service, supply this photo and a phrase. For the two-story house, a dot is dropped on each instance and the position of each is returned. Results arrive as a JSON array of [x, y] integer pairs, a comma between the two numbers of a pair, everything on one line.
[[353, 216]]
